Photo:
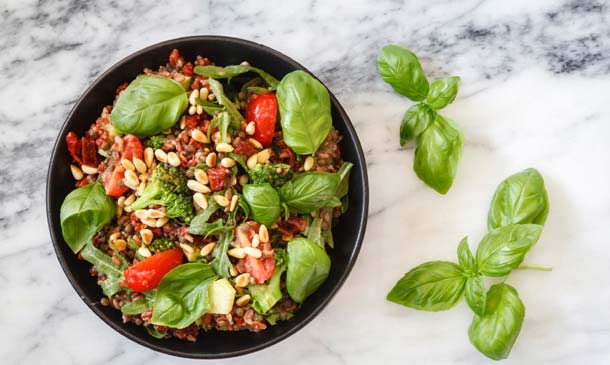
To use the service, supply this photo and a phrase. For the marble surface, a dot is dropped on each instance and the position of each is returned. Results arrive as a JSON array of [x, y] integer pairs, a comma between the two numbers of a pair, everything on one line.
[[534, 92]]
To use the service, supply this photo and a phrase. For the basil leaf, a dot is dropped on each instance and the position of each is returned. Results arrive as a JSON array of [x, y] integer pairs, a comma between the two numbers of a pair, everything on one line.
[[503, 249], [223, 100], [343, 173], [308, 268], [182, 295], [149, 105], [520, 198], [400, 68], [495, 333], [433, 286], [264, 203], [104, 264], [304, 106], [465, 258], [475, 294], [438, 151], [229, 72], [443, 92], [264, 297], [221, 263], [416, 120], [84, 212], [310, 191]]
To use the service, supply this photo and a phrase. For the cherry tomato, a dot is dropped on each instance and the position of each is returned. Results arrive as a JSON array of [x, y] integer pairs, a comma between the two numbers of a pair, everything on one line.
[[131, 147], [146, 274], [112, 179], [260, 270], [262, 110]]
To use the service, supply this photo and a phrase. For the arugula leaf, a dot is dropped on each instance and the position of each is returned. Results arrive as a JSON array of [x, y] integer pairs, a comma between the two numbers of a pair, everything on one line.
[[265, 296], [416, 120], [200, 222], [400, 68], [104, 264], [216, 72], [208, 229], [443, 92], [221, 263], [223, 100], [141, 305]]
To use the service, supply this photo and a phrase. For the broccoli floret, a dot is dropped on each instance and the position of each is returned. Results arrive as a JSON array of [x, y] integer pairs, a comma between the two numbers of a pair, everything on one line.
[[156, 142], [276, 174], [167, 187], [161, 244]]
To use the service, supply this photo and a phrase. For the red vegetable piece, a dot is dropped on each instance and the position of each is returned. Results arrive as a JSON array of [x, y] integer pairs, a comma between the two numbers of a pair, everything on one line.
[[112, 179], [146, 274], [260, 270], [74, 146], [132, 147], [217, 176], [262, 110]]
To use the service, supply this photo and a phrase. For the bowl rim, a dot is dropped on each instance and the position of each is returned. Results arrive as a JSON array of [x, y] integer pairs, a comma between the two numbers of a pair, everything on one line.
[[56, 241]]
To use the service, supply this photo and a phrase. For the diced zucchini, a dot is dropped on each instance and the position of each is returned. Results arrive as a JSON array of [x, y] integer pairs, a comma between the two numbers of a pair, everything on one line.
[[222, 296]]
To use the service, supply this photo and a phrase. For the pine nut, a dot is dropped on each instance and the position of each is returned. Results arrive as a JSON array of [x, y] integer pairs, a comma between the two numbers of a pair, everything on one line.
[[143, 251], [139, 165], [233, 203], [250, 128], [197, 186], [76, 172], [128, 209], [119, 211], [199, 110], [224, 147], [255, 143], [211, 97], [242, 280], [173, 159], [308, 163], [221, 200], [252, 161], [130, 185], [233, 271], [154, 214], [149, 156], [127, 164], [256, 240], [243, 180], [143, 177], [115, 236], [193, 97], [243, 300], [186, 248], [264, 155], [263, 233], [182, 122], [141, 213], [149, 222], [192, 110], [201, 176], [237, 253], [147, 236], [227, 162], [203, 93], [161, 155], [130, 199], [120, 244], [232, 180], [89, 170], [253, 251], [132, 178], [167, 131], [207, 249], [199, 136], [216, 137], [161, 222], [210, 159], [200, 200]]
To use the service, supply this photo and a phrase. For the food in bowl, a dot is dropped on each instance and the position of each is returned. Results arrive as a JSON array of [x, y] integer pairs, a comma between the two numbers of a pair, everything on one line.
[[196, 208]]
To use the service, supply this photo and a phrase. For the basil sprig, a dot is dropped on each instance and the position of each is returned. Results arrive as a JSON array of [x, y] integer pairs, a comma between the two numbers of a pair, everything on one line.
[[439, 141], [498, 312]]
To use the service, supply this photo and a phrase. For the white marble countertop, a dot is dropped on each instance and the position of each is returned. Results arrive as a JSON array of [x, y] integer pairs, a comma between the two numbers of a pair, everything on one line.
[[534, 92]]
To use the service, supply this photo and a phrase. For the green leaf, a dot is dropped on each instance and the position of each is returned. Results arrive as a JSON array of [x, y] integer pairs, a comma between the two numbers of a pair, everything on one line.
[[400, 68], [104, 264], [520, 198], [149, 105], [221, 263], [209, 107], [216, 72], [438, 152], [314, 231], [308, 268], [199, 224], [223, 126], [465, 257], [265, 296], [495, 333], [304, 105], [207, 229], [443, 92], [433, 286], [154, 333], [475, 294], [264, 203], [84, 212], [416, 120], [182, 295], [343, 173], [310, 191], [141, 305], [223, 100], [503, 249]]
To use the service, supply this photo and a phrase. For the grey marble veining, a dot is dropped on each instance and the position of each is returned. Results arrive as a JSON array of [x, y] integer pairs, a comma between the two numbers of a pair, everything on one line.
[[534, 92]]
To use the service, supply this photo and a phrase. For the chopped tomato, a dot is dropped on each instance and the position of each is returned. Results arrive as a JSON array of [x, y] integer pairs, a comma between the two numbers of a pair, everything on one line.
[[187, 69], [174, 57], [112, 179], [262, 110], [146, 274], [132, 147], [89, 152], [245, 148], [217, 177], [74, 146], [261, 269], [191, 121]]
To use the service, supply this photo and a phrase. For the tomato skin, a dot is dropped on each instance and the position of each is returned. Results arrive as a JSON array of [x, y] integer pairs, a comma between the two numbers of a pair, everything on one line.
[[132, 147], [146, 274], [262, 110], [73, 143], [260, 270], [218, 178], [112, 178]]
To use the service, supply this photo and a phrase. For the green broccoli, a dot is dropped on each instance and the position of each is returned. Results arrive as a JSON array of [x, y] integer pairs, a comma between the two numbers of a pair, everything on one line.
[[276, 174], [167, 187], [156, 142], [161, 244]]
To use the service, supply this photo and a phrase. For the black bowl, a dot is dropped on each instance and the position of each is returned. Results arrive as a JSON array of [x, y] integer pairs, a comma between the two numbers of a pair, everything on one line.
[[213, 344]]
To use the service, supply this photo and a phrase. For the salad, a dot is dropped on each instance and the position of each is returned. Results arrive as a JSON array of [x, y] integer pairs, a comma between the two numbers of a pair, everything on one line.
[[205, 197]]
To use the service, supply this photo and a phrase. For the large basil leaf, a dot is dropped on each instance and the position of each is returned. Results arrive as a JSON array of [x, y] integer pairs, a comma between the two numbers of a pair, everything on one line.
[[221, 263], [343, 173], [83, 212], [264, 203], [216, 72], [149, 105], [438, 151], [443, 92], [400, 68], [182, 295], [433, 286], [218, 91], [520, 198], [104, 264], [465, 257], [495, 333], [304, 106], [310, 191], [503, 249], [416, 120], [265, 296], [308, 268], [475, 294]]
